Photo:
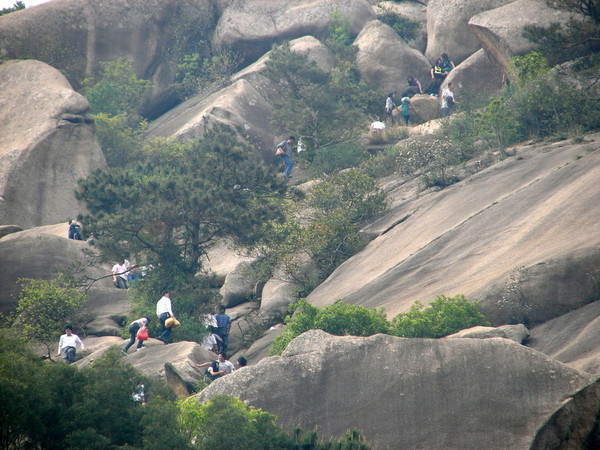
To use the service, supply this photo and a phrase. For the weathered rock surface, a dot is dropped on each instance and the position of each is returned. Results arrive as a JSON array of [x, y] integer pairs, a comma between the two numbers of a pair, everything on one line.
[[536, 211], [239, 285], [417, 12], [385, 60], [182, 357], [47, 143], [37, 254], [572, 339], [277, 295], [500, 30], [5, 230], [518, 333], [424, 108], [504, 392], [252, 26], [75, 35], [477, 75], [448, 30], [239, 106], [260, 347]]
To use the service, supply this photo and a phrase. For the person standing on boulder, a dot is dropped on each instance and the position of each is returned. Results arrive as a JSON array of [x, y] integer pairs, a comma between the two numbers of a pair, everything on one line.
[[134, 327], [223, 327], [67, 345], [284, 150], [164, 311], [448, 100]]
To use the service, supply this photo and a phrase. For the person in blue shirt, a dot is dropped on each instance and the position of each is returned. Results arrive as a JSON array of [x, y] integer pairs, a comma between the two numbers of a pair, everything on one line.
[[223, 327]]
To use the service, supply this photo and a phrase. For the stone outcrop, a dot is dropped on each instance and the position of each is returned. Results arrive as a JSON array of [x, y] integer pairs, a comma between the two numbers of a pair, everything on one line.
[[42, 255], [75, 35], [424, 108], [477, 75], [239, 285], [500, 30], [448, 30], [252, 26], [239, 106], [536, 211], [385, 60], [417, 12], [518, 333], [572, 339], [504, 392], [47, 143]]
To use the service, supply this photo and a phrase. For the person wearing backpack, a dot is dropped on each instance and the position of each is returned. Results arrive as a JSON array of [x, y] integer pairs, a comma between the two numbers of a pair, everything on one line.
[[134, 333]]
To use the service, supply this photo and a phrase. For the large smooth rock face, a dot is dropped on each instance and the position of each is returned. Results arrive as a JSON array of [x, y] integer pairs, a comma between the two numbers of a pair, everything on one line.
[[239, 285], [385, 60], [47, 143], [448, 30], [537, 211], [251, 27], [40, 255], [239, 106], [572, 338], [414, 393], [477, 75], [75, 35], [500, 31], [518, 333]]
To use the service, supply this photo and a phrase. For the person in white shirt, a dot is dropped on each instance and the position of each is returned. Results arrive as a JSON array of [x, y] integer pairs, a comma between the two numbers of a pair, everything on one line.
[[448, 100], [120, 271], [134, 327], [67, 345], [225, 367], [164, 311]]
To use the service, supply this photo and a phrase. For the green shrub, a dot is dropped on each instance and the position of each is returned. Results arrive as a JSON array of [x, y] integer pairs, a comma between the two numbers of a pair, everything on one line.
[[444, 316], [339, 319], [405, 28], [332, 159]]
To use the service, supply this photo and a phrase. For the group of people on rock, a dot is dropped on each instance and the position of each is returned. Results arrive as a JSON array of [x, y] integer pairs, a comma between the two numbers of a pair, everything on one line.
[[439, 71]]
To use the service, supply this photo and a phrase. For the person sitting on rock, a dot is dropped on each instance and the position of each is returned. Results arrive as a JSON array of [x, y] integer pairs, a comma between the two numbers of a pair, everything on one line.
[[242, 362], [225, 366], [67, 345], [414, 86], [120, 271], [437, 77], [75, 230]]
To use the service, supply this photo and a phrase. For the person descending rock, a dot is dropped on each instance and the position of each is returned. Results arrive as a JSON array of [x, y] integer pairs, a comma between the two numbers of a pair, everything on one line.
[[164, 311], [223, 327], [284, 150], [67, 345], [437, 77], [134, 327]]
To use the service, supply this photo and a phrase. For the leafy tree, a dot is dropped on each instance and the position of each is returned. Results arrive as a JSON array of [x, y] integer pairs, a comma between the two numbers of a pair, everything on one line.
[[339, 319], [226, 422], [44, 308], [16, 7], [168, 209], [199, 70], [325, 226], [588, 8], [120, 137], [444, 316], [116, 90], [310, 104], [405, 28]]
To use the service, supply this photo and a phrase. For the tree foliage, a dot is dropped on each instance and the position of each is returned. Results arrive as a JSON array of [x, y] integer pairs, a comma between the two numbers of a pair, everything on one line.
[[45, 307], [57, 406], [339, 319], [116, 89], [17, 6], [443, 316], [168, 209]]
